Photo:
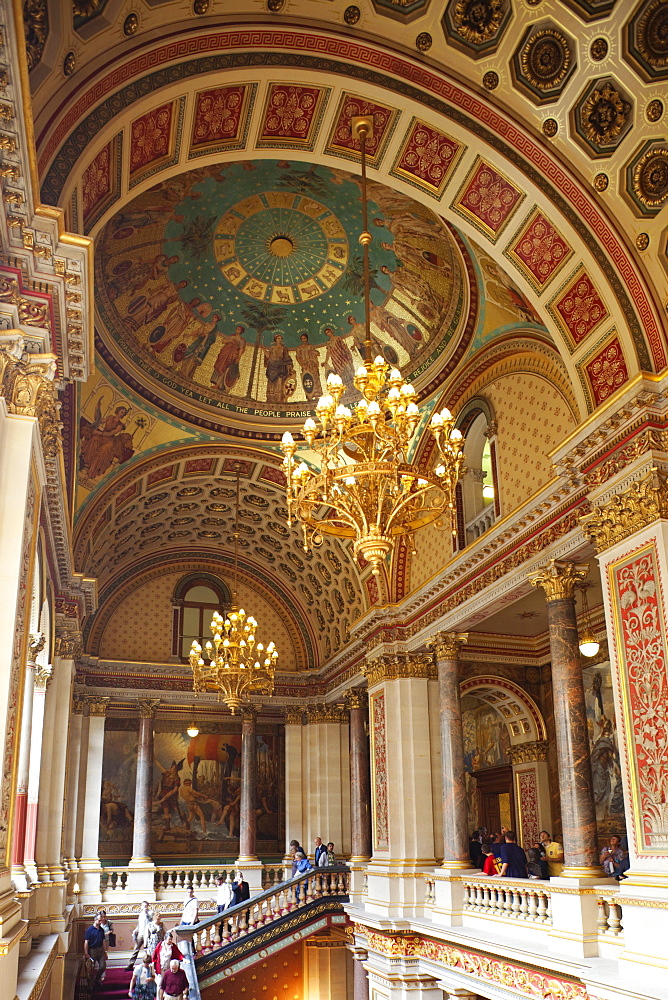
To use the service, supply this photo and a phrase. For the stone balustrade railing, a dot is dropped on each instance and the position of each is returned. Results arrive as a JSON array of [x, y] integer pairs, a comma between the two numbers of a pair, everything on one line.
[[609, 921], [508, 899], [272, 904], [172, 881]]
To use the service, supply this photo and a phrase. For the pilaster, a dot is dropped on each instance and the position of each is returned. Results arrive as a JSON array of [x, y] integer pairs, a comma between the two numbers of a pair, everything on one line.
[[326, 773], [89, 863]]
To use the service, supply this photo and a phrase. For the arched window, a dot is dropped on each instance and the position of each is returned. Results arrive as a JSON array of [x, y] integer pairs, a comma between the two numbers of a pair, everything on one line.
[[196, 597], [477, 493]]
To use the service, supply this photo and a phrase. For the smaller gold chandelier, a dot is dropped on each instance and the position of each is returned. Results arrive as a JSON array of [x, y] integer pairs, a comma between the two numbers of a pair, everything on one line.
[[236, 665]]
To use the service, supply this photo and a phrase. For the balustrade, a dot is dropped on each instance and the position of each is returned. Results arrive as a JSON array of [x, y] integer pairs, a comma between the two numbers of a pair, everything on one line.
[[609, 921], [507, 899]]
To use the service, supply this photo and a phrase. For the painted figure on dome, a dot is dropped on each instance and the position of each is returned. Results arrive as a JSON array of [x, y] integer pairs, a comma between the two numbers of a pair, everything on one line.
[[279, 370], [196, 352], [308, 359], [225, 372], [339, 356], [104, 441]]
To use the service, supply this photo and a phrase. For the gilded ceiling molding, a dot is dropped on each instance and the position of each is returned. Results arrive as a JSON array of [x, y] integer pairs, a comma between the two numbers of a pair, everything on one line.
[[527, 753], [447, 645], [70, 133], [559, 579], [396, 666], [641, 504]]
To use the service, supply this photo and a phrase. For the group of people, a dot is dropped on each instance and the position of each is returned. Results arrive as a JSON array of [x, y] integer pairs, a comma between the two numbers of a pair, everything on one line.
[[230, 891], [159, 973], [500, 855], [323, 856]]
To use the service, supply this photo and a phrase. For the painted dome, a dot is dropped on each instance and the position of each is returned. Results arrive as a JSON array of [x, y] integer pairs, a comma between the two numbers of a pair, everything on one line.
[[230, 292]]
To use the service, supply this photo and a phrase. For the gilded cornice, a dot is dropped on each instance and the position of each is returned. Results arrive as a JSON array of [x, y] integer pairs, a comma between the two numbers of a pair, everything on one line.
[[446, 645], [320, 712], [527, 753], [392, 667], [97, 706], [148, 707], [642, 503], [559, 579]]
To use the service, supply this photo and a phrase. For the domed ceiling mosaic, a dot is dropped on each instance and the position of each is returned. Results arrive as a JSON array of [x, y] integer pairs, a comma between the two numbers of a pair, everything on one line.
[[230, 292]]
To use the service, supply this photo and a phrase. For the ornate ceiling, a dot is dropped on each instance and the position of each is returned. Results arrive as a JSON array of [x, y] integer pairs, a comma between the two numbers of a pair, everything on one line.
[[518, 174]]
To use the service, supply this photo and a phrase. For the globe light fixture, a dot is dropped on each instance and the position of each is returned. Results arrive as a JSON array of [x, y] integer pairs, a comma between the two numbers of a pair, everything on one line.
[[589, 644], [358, 482], [234, 665]]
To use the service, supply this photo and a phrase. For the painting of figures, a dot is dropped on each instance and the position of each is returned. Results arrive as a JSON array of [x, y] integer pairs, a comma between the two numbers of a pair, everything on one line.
[[196, 793], [605, 764], [486, 736]]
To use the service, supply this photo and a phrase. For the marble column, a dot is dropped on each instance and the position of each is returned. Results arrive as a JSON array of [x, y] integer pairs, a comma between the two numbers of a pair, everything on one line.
[[63, 700], [72, 787], [578, 812], [360, 778], [248, 816], [141, 834], [446, 646], [46, 789], [35, 645], [42, 678], [360, 977], [89, 863]]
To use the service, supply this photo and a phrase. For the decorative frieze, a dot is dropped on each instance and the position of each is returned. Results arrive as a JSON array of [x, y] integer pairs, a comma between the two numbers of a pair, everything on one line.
[[528, 753], [393, 666], [559, 579], [641, 504]]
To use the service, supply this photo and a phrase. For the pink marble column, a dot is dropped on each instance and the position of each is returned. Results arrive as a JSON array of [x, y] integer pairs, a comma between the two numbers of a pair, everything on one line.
[[360, 777], [141, 833], [360, 977], [446, 646], [578, 812], [248, 816]]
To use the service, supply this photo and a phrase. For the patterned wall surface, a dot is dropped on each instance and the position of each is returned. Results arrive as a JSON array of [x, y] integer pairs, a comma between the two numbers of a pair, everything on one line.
[[532, 419]]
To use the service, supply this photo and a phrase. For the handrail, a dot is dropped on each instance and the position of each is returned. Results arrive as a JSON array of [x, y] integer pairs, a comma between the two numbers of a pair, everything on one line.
[[215, 933]]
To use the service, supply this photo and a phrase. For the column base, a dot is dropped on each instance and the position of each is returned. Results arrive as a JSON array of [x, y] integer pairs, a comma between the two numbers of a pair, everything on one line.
[[574, 916], [449, 892], [89, 881], [20, 878], [141, 880], [252, 869], [583, 871], [397, 889]]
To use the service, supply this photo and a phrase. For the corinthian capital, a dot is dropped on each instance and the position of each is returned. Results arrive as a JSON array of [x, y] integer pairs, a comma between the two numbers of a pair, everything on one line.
[[644, 501], [98, 706], [446, 645], [148, 707], [42, 676], [36, 644], [559, 579], [29, 390]]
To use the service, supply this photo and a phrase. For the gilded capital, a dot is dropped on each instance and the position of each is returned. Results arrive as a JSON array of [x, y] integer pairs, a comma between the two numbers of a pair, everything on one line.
[[294, 715], [77, 706], [42, 676], [559, 579], [447, 645], [148, 707], [36, 644], [30, 391], [638, 506], [68, 643], [391, 667], [357, 698], [320, 712], [97, 706], [527, 753]]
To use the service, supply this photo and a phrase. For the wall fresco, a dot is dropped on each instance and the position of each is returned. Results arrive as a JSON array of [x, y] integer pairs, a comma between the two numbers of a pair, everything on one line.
[[605, 763]]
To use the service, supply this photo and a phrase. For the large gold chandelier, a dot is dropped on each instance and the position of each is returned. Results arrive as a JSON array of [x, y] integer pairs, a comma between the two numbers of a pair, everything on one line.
[[359, 483], [236, 665]]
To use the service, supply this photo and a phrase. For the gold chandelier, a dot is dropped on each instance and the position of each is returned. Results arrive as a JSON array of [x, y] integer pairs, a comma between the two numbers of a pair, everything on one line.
[[236, 665], [360, 483]]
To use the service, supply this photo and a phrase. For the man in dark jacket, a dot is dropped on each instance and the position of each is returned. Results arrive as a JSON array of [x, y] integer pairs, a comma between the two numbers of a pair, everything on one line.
[[240, 889]]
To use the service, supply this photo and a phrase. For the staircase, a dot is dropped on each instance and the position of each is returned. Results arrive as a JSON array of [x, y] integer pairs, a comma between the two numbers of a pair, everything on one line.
[[274, 918]]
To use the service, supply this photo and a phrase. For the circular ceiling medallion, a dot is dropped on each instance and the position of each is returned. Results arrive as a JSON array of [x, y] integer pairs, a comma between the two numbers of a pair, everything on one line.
[[229, 293], [279, 247]]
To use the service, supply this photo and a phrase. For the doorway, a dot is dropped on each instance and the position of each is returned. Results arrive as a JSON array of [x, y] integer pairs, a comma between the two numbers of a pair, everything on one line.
[[496, 804]]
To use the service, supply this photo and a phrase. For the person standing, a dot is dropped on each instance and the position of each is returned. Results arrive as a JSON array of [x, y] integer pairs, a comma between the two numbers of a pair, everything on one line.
[[512, 857], [475, 850], [554, 852], [164, 953], [140, 933], [224, 894], [174, 985], [94, 947], [240, 889], [142, 984], [155, 933], [331, 856], [320, 857], [190, 912]]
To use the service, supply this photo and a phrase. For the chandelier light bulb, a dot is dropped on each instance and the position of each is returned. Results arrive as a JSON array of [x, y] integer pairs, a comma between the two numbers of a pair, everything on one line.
[[589, 644]]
